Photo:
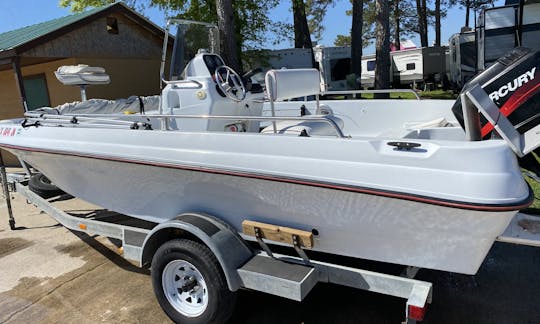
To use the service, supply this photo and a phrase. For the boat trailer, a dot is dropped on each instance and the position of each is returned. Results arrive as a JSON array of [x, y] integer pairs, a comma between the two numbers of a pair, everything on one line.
[[257, 269]]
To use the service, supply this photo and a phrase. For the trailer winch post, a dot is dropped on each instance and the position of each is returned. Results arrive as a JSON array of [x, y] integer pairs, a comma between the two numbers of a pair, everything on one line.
[[6, 192]]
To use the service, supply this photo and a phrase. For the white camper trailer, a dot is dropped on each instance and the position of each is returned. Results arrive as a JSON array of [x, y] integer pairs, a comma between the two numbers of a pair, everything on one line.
[[367, 80], [335, 65], [419, 65], [291, 58], [411, 66], [462, 57]]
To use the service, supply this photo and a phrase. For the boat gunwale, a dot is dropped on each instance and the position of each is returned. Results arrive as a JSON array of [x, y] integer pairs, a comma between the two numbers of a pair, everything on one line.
[[516, 206]]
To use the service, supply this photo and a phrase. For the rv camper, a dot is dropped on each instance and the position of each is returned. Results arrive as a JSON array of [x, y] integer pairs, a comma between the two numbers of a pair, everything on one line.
[[501, 29], [291, 58], [367, 80], [498, 31], [409, 67], [335, 65], [462, 57], [419, 65]]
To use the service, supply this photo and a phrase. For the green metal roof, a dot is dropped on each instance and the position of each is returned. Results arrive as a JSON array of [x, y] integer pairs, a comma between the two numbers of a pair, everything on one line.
[[17, 37]]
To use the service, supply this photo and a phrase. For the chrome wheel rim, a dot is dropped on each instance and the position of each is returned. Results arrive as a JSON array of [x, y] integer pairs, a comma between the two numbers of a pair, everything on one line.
[[185, 288]]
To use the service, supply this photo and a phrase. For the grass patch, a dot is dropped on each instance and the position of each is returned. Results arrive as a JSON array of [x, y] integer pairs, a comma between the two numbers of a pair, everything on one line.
[[535, 186], [536, 189], [438, 94], [435, 94], [393, 95]]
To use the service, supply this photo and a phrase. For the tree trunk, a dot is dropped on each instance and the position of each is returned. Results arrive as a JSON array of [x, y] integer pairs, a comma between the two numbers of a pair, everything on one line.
[[356, 40], [382, 61], [397, 28], [438, 23], [229, 49], [302, 38], [467, 12], [422, 22]]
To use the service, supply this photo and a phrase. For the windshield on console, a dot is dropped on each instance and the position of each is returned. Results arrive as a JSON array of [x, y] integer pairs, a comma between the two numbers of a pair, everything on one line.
[[190, 37]]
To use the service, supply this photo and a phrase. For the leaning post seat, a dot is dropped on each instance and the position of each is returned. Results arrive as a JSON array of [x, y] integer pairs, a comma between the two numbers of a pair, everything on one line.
[[82, 75], [291, 83]]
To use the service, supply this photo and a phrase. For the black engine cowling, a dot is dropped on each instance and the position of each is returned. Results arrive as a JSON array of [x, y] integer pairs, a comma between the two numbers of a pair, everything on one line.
[[513, 84]]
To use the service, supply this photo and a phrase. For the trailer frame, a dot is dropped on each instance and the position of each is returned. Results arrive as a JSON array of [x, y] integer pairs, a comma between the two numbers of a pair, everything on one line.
[[287, 276]]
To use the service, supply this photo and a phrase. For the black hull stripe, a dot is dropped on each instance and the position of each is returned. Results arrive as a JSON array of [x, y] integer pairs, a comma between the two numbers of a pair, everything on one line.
[[377, 192]]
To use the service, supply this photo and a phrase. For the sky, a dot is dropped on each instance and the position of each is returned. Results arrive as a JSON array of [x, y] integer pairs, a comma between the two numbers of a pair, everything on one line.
[[20, 13]]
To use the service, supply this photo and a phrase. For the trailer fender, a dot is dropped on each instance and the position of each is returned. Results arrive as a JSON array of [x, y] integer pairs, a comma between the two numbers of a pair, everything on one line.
[[229, 248]]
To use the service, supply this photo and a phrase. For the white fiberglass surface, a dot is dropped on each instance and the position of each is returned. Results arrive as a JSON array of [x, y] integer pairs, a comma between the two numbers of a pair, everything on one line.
[[374, 117], [477, 172], [348, 223]]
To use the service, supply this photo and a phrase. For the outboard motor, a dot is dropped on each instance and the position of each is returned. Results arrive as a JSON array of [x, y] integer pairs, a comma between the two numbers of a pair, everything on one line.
[[513, 84]]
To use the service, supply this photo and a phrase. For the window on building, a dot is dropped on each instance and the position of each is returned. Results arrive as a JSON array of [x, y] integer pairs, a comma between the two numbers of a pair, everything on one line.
[[112, 25], [37, 94], [371, 65], [410, 66]]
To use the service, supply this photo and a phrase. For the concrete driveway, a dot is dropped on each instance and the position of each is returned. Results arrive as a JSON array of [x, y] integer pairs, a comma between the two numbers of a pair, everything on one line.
[[49, 274]]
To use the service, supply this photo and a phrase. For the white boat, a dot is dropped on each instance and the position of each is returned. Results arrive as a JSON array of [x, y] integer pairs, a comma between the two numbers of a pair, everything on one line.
[[379, 180]]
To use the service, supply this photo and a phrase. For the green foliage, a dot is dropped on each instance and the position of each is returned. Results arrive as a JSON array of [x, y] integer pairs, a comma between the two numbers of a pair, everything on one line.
[[473, 4], [368, 27], [342, 40], [536, 189], [438, 94], [251, 17], [316, 11], [408, 18], [81, 5]]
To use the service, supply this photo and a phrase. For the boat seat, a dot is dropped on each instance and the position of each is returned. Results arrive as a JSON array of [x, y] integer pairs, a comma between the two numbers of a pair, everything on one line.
[[292, 83], [81, 74], [295, 83]]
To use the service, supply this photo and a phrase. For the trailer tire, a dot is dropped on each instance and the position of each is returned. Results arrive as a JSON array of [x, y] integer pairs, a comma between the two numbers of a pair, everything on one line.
[[189, 283], [42, 186]]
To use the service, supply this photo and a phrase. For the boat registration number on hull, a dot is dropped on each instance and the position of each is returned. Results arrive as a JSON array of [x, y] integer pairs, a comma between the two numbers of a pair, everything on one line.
[[9, 131]]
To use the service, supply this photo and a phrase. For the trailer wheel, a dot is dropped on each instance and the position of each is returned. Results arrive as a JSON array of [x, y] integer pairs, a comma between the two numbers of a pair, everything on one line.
[[189, 283], [42, 186]]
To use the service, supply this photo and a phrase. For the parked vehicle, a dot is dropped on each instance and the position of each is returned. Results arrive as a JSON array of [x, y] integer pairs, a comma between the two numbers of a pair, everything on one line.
[[409, 68], [462, 58], [501, 29]]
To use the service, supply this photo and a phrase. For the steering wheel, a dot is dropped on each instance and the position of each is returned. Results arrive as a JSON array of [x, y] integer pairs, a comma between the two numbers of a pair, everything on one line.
[[230, 83]]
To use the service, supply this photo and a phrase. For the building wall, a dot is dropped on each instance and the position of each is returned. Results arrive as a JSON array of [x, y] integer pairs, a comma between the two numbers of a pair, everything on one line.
[[10, 105], [128, 77], [93, 40], [58, 93], [10, 102], [131, 57]]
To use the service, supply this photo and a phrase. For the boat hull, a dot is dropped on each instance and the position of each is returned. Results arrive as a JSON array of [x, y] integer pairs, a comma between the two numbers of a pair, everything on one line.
[[349, 223]]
